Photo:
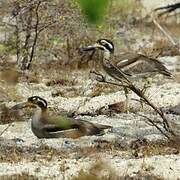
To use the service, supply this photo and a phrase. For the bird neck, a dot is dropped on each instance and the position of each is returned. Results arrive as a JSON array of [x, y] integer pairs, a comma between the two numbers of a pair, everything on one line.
[[107, 54], [40, 111], [39, 117]]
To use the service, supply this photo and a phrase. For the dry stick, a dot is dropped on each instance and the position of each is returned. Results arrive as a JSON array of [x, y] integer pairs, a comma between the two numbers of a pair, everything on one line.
[[157, 110], [154, 124], [68, 49], [27, 41], [141, 95], [17, 40], [164, 32], [37, 32], [8, 126], [103, 79], [46, 26], [36, 35]]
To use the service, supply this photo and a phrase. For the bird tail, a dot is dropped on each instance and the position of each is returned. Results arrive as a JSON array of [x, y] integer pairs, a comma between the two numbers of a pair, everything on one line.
[[102, 127], [88, 128], [159, 66], [167, 73]]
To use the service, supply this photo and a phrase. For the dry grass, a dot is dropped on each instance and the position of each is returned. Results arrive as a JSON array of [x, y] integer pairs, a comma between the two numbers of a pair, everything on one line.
[[161, 47], [8, 115], [21, 176], [9, 92], [137, 149], [98, 170], [142, 148], [102, 170]]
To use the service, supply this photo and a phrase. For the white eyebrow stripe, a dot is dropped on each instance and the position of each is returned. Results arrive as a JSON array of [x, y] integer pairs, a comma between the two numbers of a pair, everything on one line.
[[103, 41], [42, 102], [109, 44]]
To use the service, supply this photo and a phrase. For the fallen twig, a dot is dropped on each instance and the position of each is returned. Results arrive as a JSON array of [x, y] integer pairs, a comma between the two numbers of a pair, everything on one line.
[[5, 129], [154, 124], [165, 33]]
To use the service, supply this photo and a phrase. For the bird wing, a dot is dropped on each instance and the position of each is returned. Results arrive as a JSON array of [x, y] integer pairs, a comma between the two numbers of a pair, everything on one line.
[[59, 123], [134, 64], [63, 123]]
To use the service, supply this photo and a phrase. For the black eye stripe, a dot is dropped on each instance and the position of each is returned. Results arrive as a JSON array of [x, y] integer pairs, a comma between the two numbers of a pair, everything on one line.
[[107, 44], [42, 101], [38, 101]]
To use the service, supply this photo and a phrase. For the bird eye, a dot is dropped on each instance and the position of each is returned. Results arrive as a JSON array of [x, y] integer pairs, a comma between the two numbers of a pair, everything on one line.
[[103, 42]]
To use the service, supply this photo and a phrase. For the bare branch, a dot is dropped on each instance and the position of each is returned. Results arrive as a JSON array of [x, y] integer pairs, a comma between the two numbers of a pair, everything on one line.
[[5, 129], [154, 124], [101, 78], [164, 32], [36, 35]]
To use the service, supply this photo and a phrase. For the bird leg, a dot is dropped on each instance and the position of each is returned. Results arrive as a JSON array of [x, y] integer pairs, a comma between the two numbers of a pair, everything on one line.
[[126, 92], [146, 86], [99, 76]]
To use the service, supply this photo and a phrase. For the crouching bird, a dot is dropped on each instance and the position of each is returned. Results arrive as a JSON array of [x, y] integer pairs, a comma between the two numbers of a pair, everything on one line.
[[45, 126]]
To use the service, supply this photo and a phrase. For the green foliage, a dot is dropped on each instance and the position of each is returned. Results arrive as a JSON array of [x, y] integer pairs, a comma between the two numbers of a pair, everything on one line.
[[121, 9], [94, 10], [2, 48], [55, 40], [7, 48]]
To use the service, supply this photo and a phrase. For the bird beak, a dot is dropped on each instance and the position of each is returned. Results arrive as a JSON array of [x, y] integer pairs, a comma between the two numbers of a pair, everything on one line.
[[23, 105], [92, 47]]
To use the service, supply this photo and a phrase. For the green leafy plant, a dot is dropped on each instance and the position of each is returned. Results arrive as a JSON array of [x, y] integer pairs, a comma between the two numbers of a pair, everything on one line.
[[94, 10]]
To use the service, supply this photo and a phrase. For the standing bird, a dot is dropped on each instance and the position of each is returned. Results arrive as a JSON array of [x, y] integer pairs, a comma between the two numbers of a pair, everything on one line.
[[128, 64], [45, 126]]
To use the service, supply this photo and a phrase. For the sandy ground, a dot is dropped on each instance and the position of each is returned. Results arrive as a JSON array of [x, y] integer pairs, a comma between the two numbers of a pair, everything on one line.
[[132, 148]]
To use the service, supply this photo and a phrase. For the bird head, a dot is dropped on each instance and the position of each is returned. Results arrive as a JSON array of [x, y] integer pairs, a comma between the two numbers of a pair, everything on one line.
[[33, 102], [36, 100], [102, 44]]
